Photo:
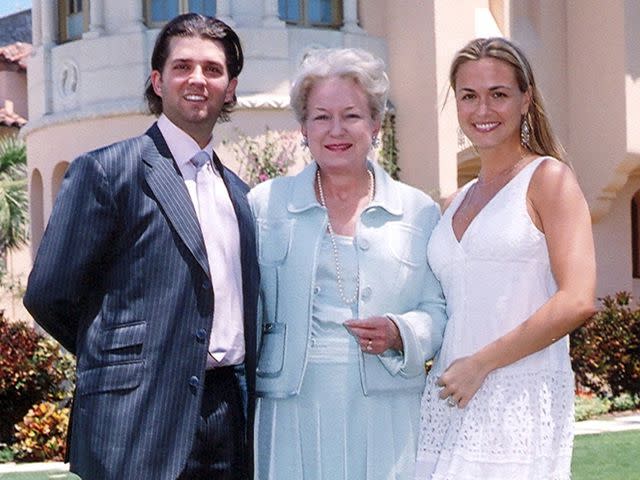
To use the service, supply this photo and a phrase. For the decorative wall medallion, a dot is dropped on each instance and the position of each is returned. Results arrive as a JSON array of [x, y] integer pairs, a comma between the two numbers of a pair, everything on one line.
[[69, 78]]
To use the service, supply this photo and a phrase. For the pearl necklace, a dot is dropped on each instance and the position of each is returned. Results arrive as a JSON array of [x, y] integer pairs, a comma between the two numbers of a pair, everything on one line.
[[332, 236]]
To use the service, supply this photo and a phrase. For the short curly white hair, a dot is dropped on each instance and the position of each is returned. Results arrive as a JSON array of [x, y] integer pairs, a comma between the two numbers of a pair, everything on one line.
[[367, 70]]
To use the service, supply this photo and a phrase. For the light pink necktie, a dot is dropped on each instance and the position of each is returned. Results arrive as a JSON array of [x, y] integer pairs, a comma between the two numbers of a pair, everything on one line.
[[212, 233]]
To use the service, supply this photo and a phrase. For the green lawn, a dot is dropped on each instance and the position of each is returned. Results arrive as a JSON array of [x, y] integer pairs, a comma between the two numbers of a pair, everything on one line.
[[607, 456]]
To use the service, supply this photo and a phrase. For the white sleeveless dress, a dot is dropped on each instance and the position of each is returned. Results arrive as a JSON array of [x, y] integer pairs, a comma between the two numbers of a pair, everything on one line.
[[519, 425]]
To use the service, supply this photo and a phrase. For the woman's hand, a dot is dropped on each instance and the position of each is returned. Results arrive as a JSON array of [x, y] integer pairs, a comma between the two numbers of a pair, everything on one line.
[[461, 381], [375, 335]]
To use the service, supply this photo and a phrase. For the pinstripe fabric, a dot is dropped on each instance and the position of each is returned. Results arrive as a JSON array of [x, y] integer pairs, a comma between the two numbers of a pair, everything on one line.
[[121, 279], [220, 432]]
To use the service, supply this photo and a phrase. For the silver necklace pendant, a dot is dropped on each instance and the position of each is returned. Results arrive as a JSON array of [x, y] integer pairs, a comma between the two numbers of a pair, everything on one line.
[[332, 237], [501, 175]]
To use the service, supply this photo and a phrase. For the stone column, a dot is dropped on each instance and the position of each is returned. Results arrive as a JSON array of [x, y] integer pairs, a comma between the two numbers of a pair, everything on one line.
[[36, 23], [350, 16], [96, 19], [270, 18], [134, 17], [49, 17], [49, 27], [223, 12]]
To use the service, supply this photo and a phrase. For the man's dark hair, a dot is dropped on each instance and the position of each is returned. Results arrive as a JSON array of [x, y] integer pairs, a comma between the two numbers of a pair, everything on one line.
[[195, 25]]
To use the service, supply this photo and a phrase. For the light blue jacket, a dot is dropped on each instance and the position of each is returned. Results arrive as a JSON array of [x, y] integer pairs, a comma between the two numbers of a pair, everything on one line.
[[395, 280]]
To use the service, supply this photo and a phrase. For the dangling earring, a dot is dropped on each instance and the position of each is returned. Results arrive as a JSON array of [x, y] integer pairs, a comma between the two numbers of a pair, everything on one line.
[[525, 132], [375, 142], [304, 143]]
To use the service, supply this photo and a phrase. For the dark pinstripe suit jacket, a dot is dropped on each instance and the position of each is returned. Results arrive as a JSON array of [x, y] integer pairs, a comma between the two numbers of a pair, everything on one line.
[[121, 279]]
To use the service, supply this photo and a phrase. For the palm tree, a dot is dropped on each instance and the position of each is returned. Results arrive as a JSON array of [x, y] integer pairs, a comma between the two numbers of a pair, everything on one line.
[[14, 206]]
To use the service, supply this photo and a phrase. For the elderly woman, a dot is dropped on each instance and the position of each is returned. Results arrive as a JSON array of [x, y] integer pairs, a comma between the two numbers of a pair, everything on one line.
[[350, 307]]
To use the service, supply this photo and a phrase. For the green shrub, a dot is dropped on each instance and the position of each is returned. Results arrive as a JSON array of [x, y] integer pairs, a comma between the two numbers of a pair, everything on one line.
[[42, 434], [32, 369], [625, 402], [388, 155], [605, 351], [6, 455], [589, 406]]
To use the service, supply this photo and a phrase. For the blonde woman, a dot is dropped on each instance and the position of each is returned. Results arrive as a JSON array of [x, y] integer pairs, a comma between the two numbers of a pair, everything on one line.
[[515, 256]]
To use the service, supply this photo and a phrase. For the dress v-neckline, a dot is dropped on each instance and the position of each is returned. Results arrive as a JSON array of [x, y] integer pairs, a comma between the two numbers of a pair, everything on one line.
[[486, 205]]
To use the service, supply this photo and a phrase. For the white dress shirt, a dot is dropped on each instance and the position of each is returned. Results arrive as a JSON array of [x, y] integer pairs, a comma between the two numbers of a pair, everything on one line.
[[226, 345]]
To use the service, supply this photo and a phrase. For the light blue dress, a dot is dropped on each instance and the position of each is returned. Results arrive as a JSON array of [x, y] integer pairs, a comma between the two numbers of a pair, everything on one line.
[[331, 430]]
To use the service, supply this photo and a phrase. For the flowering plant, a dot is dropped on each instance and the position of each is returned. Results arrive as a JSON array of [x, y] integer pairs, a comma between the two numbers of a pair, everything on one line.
[[33, 369], [41, 434], [266, 156]]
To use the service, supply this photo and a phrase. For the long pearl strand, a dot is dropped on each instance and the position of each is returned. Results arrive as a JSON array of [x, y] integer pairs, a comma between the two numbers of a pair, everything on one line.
[[332, 236]]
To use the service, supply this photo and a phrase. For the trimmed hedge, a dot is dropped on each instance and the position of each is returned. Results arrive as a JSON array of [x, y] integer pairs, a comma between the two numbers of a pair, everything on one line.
[[605, 351]]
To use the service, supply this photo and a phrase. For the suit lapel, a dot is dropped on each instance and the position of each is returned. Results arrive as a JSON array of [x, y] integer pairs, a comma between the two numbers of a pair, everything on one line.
[[168, 186]]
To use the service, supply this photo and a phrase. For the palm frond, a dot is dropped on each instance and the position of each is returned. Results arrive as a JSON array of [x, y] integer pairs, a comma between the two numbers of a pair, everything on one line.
[[14, 202], [13, 152]]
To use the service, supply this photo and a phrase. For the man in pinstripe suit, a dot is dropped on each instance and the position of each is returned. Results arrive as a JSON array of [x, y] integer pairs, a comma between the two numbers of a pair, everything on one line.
[[128, 279]]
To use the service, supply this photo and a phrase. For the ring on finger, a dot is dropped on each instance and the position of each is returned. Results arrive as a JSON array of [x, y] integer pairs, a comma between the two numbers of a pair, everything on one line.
[[369, 345], [451, 401]]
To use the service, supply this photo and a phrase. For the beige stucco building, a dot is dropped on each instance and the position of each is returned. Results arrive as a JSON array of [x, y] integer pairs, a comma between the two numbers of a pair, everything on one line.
[[90, 63], [13, 116]]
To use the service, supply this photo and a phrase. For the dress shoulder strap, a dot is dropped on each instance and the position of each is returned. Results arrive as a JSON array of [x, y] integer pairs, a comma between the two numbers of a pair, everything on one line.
[[524, 176]]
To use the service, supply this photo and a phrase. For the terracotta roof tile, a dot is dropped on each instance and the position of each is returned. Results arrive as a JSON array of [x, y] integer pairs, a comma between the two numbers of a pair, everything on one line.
[[16, 53], [11, 119]]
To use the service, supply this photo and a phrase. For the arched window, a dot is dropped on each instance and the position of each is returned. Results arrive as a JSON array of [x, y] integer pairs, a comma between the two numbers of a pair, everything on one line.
[[56, 179], [635, 233], [36, 208], [73, 19], [311, 13], [157, 12]]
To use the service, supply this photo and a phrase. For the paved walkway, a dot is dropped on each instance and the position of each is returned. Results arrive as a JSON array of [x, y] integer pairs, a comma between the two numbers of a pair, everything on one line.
[[36, 471], [610, 424]]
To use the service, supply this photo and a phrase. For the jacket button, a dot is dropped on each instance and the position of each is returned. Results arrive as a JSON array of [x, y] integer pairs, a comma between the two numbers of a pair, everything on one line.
[[366, 293], [206, 285], [201, 335], [363, 243], [316, 290], [194, 382]]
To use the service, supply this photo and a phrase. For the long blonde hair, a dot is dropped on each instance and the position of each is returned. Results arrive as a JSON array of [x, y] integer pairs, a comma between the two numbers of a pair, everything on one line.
[[542, 139]]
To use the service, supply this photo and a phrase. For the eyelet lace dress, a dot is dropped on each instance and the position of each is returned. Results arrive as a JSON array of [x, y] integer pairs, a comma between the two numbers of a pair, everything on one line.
[[519, 425]]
